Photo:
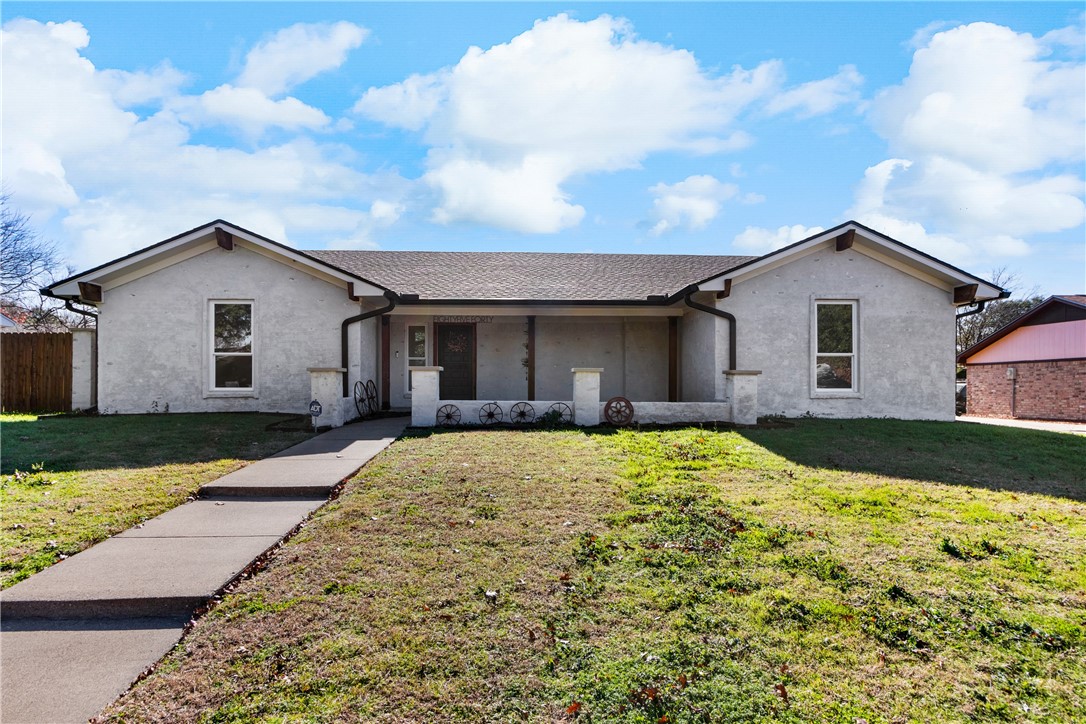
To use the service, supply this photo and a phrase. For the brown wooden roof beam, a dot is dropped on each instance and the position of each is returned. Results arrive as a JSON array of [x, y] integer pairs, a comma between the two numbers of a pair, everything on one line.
[[224, 239], [845, 240], [726, 291], [965, 294], [90, 292]]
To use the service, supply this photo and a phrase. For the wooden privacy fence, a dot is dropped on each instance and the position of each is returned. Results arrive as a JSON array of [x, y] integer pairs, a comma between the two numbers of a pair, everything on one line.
[[36, 371]]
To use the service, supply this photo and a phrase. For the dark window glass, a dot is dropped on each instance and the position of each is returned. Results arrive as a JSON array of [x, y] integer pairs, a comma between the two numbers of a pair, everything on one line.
[[233, 328], [834, 328], [234, 371]]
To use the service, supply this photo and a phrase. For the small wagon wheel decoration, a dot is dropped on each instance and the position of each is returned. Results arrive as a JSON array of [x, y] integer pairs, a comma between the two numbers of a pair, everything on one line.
[[522, 413], [371, 396], [565, 414], [448, 415], [618, 411], [360, 402], [490, 413]]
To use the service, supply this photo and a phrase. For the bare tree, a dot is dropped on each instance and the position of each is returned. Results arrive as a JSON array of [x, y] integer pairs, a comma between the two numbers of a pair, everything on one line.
[[997, 314], [29, 262], [27, 259]]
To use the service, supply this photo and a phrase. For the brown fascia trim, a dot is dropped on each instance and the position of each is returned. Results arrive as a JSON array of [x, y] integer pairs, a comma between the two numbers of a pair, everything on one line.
[[1009, 327]]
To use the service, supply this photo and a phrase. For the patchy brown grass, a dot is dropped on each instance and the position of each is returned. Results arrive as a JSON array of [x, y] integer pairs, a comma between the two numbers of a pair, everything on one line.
[[378, 609], [675, 575]]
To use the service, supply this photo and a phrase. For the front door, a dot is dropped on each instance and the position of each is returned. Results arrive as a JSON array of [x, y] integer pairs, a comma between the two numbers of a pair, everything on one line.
[[456, 353]]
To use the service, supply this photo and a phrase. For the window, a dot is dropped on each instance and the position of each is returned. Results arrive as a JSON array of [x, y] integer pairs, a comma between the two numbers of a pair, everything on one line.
[[416, 349], [232, 346], [835, 346]]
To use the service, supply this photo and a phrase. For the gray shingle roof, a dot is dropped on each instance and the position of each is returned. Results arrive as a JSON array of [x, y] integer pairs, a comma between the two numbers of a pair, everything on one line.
[[529, 275]]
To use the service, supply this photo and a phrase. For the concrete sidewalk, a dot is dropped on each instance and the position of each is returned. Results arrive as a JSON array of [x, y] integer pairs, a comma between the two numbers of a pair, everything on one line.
[[75, 636], [1077, 428]]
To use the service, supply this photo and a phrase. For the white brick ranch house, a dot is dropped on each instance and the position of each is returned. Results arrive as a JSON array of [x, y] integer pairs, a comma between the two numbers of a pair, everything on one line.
[[847, 323]]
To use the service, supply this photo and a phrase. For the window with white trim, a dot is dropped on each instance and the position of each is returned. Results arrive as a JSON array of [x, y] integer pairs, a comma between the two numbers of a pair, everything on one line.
[[835, 346], [416, 349], [231, 346]]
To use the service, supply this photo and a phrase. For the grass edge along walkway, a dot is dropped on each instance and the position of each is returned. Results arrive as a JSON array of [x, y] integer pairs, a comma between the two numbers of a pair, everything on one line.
[[701, 577]]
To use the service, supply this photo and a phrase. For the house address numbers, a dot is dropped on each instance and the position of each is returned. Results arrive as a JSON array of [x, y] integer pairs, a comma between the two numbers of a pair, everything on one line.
[[463, 319]]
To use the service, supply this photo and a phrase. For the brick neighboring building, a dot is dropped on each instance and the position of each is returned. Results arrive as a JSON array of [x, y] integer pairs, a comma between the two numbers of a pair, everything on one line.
[[1035, 367]]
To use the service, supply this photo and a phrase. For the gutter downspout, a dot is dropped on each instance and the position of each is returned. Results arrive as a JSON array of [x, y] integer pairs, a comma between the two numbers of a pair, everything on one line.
[[971, 312], [719, 313], [69, 306], [344, 353]]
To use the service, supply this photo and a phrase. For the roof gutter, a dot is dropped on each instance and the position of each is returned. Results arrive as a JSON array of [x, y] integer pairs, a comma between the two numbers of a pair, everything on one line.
[[344, 352], [688, 299]]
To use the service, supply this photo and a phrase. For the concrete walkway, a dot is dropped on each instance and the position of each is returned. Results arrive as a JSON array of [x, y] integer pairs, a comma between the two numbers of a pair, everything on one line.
[[75, 636], [1078, 428]]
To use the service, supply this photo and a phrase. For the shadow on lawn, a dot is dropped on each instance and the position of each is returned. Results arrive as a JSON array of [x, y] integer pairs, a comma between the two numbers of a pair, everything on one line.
[[996, 458], [62, 443]]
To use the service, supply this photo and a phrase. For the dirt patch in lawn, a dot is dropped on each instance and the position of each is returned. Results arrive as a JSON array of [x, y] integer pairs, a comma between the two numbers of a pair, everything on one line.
[[647, 576]]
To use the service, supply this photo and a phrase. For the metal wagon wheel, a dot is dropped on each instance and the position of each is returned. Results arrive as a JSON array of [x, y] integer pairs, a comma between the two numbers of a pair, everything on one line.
[[565, 414], [371, 396], [490, 413], [448, 415], [618, 411], [522, 413], [360, 402]]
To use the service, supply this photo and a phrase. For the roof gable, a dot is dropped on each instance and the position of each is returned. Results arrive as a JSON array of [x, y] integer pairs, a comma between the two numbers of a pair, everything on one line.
[[1056, 309], [873, 243], [191, 243]]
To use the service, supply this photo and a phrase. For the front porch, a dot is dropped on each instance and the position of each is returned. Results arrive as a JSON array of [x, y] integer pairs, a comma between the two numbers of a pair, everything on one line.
[[519, 363], [585, 408]]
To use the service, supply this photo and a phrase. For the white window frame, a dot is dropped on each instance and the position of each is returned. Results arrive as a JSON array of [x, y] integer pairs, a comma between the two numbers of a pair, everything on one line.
[[407, 352], [211, 355], [856, 354]]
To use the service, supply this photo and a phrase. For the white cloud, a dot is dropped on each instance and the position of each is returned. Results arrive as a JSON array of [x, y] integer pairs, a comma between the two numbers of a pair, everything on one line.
[[690, 204], [509, 126], [984, 95], [114, 180], [134, 88], [409, 104], [761, 240], [989, 132], [248, 109], [819, 96], [295, 54]]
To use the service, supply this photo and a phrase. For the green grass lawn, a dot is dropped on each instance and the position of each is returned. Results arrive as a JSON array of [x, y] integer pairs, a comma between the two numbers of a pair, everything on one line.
[[67, 482], [875, 571]]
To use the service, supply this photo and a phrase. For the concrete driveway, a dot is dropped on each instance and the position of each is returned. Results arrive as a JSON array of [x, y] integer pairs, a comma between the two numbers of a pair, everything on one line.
[[1076, 428]]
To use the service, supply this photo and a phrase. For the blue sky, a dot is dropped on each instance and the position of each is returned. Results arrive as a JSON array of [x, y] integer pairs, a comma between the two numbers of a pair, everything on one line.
[[705, 128]]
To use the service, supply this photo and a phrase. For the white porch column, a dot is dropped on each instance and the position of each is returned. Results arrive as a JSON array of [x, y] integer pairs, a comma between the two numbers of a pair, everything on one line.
[[742, 393], [424, 395], [326, 389], [586, 395]]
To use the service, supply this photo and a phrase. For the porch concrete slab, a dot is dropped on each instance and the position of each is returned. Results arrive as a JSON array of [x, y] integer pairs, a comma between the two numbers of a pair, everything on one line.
[[56, 671], [219, 517], [323, 448], [285, 477], [135, 577], [379, 429]]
